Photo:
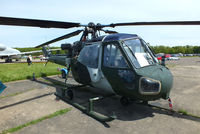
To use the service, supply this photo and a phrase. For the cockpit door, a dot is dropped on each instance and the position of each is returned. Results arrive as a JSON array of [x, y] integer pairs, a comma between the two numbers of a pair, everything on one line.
[[89, 68], [116, 69]]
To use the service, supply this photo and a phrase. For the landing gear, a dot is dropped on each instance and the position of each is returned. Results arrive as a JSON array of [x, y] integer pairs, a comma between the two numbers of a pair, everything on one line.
[[69, 94], [124, 101]]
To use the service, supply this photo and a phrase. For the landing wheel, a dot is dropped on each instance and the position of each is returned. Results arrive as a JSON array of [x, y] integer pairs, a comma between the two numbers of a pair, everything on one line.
[[124, 101], [70, 94]]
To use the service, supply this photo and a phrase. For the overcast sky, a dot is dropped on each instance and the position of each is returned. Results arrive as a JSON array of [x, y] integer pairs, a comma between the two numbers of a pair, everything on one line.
[[104, 12]]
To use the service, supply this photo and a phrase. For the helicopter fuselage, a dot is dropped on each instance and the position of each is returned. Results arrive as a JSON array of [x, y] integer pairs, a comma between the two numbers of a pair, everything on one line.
[[121, 64]]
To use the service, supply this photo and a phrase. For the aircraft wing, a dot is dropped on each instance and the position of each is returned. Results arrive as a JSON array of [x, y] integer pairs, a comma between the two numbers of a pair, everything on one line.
[[22, 53], [18, 54], [7, 55]]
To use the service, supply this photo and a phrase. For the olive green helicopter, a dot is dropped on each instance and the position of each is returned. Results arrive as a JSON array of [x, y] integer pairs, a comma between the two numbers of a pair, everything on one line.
[[115, 63]]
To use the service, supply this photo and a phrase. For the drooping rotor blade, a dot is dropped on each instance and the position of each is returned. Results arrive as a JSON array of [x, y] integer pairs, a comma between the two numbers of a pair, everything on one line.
[[36, 23], [154, 23], [109, 31], [61, 38]]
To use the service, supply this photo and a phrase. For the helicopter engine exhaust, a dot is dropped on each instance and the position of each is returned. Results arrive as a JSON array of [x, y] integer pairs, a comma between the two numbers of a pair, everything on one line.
[[68, 47]]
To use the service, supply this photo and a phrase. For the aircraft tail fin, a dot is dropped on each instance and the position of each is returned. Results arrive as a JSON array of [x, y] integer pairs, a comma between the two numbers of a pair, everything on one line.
[[46, 51]]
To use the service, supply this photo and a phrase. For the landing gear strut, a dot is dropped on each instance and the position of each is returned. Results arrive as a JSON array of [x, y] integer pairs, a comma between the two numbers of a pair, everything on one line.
[[67, 94]]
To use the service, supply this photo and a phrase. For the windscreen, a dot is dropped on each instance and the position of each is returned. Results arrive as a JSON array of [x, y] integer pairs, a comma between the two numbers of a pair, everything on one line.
[[139, 53]]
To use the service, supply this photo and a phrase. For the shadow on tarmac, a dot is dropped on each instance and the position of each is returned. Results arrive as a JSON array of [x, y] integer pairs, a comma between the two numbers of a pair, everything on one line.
[[23, 101], [34, 98], [110, 105]]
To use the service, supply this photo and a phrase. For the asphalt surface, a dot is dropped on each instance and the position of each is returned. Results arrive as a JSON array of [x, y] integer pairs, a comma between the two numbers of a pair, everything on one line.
[[27, 100]]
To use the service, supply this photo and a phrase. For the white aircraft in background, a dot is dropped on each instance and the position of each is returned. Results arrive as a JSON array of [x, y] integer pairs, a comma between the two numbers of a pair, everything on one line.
[[8, 53]]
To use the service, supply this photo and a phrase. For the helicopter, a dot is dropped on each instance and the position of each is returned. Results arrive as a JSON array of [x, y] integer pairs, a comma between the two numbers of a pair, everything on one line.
[[115, 63]]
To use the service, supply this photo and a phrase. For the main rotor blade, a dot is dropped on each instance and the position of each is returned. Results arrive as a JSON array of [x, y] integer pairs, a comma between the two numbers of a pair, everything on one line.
[[36, 23], [61, 38], [155, 23]]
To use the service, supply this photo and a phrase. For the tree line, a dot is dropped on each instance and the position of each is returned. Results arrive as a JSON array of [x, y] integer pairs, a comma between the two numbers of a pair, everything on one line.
[[176, 49]]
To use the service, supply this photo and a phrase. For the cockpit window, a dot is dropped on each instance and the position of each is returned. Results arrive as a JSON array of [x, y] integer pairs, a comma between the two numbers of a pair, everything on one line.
[[89, 56], [113, 57], [139, 53]]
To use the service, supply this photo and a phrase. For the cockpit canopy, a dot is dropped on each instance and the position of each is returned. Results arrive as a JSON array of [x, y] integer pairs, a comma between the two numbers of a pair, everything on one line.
[[2, 47], [117, 47], [136, 49]]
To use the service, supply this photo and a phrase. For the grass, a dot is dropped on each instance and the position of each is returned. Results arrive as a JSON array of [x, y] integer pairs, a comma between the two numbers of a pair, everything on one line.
[[20, 71], [182, 111], [60, 112]]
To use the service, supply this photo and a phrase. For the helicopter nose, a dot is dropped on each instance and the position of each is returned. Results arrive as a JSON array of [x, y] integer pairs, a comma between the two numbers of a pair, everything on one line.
[[166, 79], [157, 76]]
